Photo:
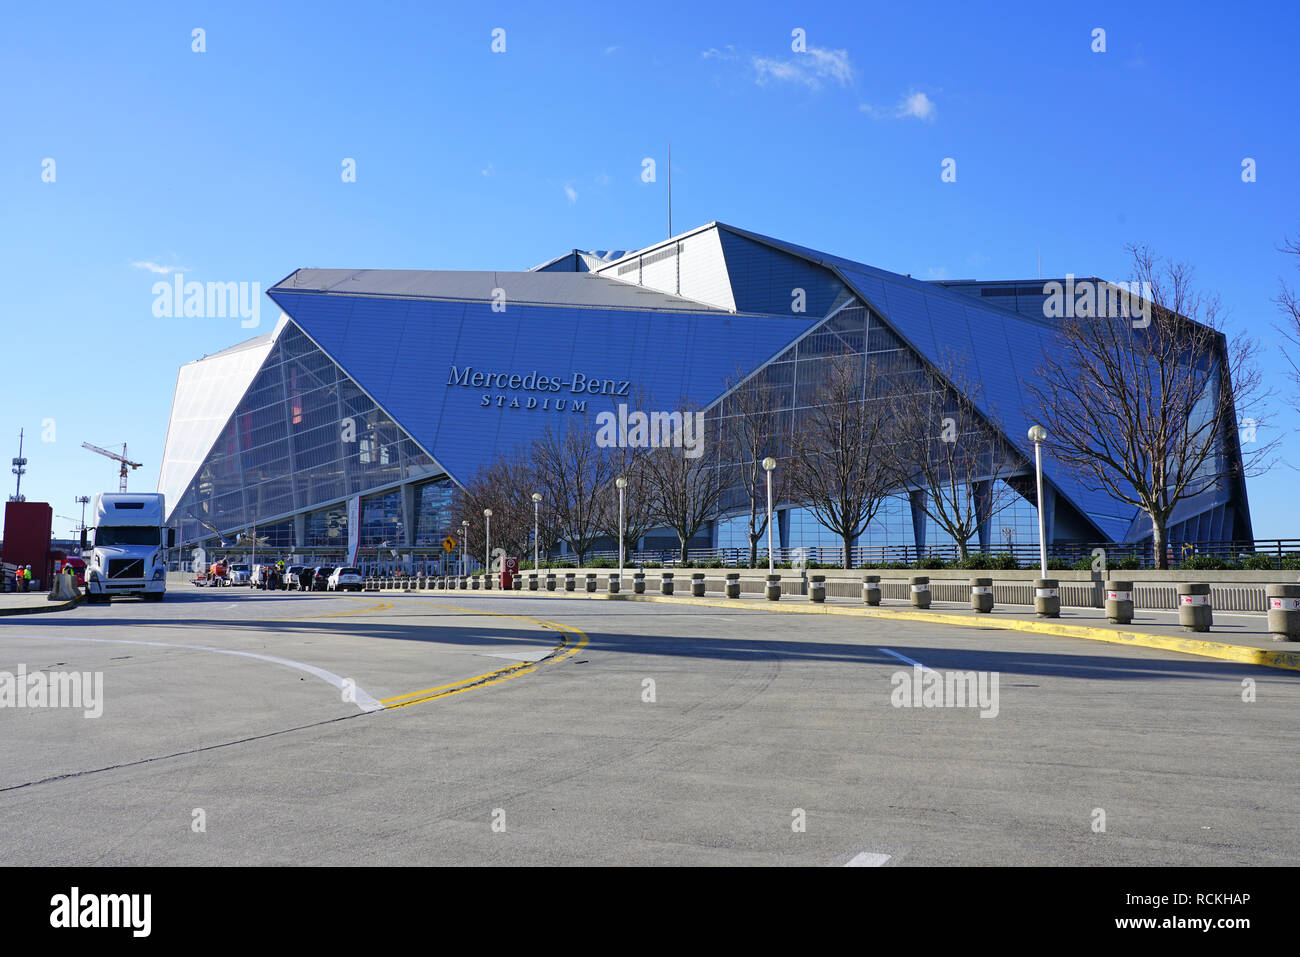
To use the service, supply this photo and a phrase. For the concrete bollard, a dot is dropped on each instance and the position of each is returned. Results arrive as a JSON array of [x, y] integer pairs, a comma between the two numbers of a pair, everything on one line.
[[474, 582], [550, 581], [464, 582], [517, 583], [666, 583], [1194, 612], [733, 585], [773, 588], [591, 582], [638, 583], [817, 590], [871, 589], [1047, 597], [570, 581], [697, 585], [981, 595], [920, 588], [1119, 602], [1284, 612], [532, 581], [613, 583]]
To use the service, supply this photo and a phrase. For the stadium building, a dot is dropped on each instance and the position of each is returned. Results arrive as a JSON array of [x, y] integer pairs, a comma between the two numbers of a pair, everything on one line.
[[378, 391]]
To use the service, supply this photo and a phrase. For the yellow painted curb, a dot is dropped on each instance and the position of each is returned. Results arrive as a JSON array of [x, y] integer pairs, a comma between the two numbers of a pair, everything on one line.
[[1244, 654]]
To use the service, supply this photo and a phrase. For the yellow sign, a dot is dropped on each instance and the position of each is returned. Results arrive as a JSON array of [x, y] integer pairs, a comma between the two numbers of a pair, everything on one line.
[[449, 544]]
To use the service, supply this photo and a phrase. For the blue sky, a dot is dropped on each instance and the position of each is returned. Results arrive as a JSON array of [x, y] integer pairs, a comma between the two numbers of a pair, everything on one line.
[[226, 164]]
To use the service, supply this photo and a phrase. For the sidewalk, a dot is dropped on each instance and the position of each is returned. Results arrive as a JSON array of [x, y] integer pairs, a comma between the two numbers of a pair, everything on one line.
[[31, 603], [1234, 636]]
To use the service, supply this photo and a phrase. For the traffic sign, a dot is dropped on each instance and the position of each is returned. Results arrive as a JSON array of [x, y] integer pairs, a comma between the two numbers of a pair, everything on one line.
[[449, 544]]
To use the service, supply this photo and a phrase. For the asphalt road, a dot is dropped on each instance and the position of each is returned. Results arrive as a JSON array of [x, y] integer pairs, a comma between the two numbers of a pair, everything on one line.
[[273, 715]]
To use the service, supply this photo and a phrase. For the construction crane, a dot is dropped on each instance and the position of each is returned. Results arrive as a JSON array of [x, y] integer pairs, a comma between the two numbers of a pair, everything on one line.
[[117, 458]]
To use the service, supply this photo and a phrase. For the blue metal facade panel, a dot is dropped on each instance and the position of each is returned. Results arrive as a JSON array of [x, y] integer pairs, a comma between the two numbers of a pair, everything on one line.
[[763, 279], [1001, 353], [402, 351]]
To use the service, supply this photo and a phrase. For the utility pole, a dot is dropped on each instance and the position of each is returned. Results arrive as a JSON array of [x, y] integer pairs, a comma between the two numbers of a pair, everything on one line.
[[20, 466], [82, 500]]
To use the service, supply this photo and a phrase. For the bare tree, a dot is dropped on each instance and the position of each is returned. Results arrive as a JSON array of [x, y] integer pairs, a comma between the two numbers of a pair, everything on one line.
[[750, 430], [1146, 408], [638, 500], [949, 451], [573, 474], [504, 485], [1288, 300], [684, 489], [838, 463]]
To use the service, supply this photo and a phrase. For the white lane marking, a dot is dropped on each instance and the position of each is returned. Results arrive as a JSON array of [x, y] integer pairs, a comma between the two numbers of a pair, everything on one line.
[[364, 700], [905, 658], [536, 654], [868, 859]]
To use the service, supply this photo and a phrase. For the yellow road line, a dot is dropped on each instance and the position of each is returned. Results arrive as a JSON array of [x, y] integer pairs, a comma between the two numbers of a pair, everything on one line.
[[565, 649], [378, 606]]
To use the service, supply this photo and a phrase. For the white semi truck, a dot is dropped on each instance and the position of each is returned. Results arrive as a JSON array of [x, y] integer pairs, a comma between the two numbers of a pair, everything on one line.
[[127, 546]]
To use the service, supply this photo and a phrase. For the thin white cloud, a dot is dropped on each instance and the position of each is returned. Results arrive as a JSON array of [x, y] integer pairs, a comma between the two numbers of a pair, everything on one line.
[[570, 192], [156, 267], [811, 69], [488, 170], [713, 53], [911, 105], [609, 50], [917, 105]]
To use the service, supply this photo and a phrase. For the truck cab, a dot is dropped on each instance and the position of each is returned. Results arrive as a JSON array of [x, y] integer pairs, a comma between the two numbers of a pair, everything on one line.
[[127, 546]]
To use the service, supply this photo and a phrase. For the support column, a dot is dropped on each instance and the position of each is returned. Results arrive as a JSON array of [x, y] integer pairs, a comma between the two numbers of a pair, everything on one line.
[[920, 521], [782, 528], [1049, 511], [409, 514], [983, 493]]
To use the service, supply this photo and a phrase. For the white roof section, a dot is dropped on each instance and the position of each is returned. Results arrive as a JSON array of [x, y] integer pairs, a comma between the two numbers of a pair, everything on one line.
[[559, 289], [691, 265], [207, 392]]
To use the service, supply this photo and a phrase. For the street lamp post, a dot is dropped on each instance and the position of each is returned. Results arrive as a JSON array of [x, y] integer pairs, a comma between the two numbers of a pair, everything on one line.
[[621, 483], [1038, 435], [464, 547], [487, 549], [537, 504], [769, 464]]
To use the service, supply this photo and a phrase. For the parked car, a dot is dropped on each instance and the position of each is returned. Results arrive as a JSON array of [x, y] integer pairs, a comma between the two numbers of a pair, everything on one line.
[[240, 574], [320, 578], [345, 579], [292, 576]]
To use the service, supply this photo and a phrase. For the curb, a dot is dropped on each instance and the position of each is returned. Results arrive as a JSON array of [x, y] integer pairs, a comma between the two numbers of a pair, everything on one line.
[[1243, 654], [42, 609]]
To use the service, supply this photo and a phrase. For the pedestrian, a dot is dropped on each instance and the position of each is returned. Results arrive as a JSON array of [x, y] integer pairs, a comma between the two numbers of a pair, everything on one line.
[[27, 578]]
